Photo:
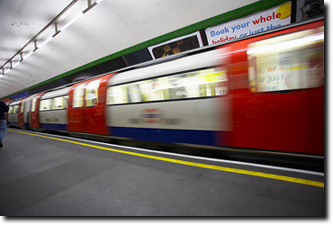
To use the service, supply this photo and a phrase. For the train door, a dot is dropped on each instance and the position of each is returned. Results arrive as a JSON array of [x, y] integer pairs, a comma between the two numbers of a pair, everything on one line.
[[21, 113], [27, 108], [12, 113], [34, 111], [86, 111], [76, 112], [95, 107]]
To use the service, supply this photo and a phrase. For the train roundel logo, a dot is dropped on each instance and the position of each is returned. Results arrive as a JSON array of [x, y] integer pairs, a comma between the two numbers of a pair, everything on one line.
[[151, 116]]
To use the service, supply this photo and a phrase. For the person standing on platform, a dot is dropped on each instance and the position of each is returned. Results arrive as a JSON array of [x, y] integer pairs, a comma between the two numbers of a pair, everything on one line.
[[3, 124]]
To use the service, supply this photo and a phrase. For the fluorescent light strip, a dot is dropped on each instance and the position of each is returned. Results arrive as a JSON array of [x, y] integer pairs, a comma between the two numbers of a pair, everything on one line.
[[16, 64], [49, 39], [6, 71], [72, 21], [29, 54]]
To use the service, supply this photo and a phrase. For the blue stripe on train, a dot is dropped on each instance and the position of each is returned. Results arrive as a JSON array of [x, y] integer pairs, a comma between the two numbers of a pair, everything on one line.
[[198, 137], [53, 126]]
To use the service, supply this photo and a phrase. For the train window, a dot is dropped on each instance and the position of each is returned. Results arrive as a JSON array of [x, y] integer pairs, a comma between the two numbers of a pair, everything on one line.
[[58, 103], [53, 104], [11, 109], [160, 89], [33, 105], [155, 89], [66, 99], [288, 62], [177, 85], [134, 93], [145, 90], [117, 95], [92, 93], [214, 82], [202, 83], [78, 96], [16, 107], [45, 105]]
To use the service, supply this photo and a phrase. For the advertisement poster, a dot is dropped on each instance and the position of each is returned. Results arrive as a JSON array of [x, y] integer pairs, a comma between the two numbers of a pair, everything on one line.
[[174, 46], [256, 23]]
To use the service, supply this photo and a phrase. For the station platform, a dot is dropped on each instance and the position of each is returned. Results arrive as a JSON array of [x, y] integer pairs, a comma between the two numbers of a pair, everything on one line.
[[50, 175]]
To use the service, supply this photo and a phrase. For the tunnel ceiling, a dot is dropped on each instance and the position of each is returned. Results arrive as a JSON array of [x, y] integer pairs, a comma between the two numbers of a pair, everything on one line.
[[107, 28]]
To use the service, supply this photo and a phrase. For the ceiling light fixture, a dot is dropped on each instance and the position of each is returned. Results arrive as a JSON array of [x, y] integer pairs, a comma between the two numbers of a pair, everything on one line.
[[57, 31], [47, 40], [72, 21], [29, 54], [18, 62], [35, 40]]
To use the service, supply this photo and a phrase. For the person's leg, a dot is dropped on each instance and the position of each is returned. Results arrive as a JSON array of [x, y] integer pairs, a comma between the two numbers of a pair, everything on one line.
[[3, 126]]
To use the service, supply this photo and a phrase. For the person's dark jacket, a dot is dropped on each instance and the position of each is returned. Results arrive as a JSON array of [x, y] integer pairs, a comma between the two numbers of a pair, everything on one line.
[[3, 108]]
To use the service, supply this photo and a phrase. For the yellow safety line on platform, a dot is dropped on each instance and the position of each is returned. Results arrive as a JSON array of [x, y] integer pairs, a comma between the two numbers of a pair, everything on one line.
[[201, 165]]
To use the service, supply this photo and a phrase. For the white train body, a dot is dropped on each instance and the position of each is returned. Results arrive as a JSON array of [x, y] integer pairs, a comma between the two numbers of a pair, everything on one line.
[[192, 117]]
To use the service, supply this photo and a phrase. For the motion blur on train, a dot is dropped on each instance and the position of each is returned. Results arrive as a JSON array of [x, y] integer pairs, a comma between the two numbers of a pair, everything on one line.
[[263, 92]]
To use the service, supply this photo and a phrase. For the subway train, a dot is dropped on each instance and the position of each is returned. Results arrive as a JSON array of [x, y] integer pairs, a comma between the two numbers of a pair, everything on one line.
[[264, 92]]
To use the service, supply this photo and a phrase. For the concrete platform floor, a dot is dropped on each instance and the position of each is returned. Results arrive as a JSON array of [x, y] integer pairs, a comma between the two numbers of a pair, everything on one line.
[[46, 175]]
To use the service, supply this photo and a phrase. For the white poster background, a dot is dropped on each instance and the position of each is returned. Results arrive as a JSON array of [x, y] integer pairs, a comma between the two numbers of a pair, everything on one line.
[[255, 23], [197, 33]]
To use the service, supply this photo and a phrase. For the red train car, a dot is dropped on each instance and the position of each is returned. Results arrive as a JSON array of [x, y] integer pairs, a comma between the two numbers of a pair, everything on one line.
[[277, 90]]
